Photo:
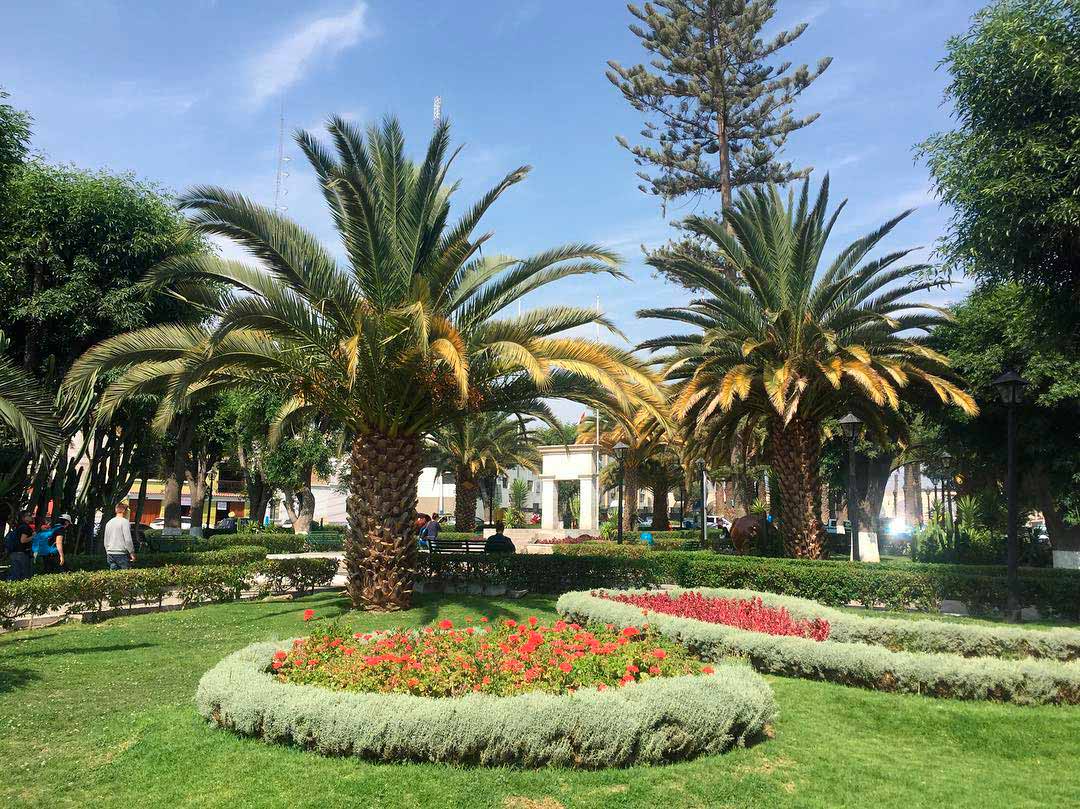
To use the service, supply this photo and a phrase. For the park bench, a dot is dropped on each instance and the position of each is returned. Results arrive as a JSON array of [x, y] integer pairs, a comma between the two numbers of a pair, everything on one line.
[[469, 545]]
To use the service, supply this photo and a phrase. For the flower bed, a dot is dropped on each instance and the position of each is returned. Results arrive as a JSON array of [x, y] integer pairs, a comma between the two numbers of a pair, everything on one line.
[[581, 540], [899, 634], [1024, 682], [745, 613], [503, 660], [554, 695]]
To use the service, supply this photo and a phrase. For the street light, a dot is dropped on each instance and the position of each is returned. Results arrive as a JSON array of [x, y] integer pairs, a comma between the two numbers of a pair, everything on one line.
[[850, 424], [209, 499], [1010, 387], [620, 451], [704, 532]]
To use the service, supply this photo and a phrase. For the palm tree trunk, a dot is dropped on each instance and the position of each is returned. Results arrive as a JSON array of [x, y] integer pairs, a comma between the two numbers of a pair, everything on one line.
[[796, 453], [465, 491], [660, 518], [630, 498], [380, 550]]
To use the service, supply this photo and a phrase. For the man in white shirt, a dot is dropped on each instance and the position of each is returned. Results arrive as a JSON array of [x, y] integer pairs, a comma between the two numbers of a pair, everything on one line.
[[119, 549]]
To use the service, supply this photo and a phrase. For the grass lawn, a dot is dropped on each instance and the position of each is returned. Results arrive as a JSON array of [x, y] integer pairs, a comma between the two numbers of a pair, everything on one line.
[[102, 716]]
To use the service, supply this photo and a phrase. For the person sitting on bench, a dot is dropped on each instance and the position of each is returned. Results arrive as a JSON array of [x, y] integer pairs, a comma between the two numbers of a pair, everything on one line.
[[499, 542]]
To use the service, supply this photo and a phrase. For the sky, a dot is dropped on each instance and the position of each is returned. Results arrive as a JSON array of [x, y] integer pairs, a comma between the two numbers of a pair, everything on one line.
[[192, 93]]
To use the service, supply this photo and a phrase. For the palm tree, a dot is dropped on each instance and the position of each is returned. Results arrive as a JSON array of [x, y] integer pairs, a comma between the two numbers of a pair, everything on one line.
[[478, 449], [407, 334], [25, 407], [644, 436], [784, 343]]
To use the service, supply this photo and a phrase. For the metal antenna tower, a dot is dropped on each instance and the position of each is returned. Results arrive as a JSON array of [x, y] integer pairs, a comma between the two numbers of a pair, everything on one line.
[[280, 191]]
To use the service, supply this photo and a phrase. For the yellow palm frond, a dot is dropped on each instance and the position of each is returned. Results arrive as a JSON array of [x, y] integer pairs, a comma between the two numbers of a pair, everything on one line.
[[736, 382], [832, 369]]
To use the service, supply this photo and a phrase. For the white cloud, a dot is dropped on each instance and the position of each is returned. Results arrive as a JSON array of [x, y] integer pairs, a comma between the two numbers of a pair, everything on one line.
[[287, 61], [129, 97]]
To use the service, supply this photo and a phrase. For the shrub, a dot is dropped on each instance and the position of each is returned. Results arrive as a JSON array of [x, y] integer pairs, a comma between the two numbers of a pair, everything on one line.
[[503, 659], [983, 588], [92, 591], [237, 555], [274, 542], [898, 634], [1024, 682], [745, 613], [662, 720]]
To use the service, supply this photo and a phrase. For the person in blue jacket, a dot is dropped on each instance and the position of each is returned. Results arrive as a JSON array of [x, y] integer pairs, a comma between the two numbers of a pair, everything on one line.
[[48, 543]]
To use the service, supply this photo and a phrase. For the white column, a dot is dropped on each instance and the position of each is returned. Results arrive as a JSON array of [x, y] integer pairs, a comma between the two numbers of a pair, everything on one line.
[[587, 520], [549, 503]]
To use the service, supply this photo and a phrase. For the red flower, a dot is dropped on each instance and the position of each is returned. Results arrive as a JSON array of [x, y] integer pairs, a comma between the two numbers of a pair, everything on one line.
[[275, 665], [565, 667], [309, 614], [659, 654], [533, 620], [632, 669], [707, 669], [630, 631], [280, 655], [446, 623], [654, 670], [483, 620], [600, 687], [412, 682], [510, 622]]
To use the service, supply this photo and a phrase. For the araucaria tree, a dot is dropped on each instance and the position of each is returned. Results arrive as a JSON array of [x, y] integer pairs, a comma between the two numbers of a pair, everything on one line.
[[718, 105], [788, 344], [408, 333]]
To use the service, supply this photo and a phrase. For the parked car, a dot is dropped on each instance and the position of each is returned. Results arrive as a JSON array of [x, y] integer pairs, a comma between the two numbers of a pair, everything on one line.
[[159, 524]]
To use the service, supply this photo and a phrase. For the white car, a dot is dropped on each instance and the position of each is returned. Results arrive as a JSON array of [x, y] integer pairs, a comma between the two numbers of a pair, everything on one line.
[[159, 523]]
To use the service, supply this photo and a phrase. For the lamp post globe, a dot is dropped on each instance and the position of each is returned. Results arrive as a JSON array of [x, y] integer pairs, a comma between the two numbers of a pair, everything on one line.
[[1010, 387], [851, 424], [620, 450]]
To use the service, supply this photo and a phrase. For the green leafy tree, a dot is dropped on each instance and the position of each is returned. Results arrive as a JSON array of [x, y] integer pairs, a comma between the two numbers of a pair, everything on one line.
[[14, 139], [409, 334], [791, 344], [1011, 169], [1007, 326], [717, 102]]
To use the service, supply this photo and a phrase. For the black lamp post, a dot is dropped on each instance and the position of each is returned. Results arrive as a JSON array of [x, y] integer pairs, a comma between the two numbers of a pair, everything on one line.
[[850, 424], [704, 530], [1010, 386], [620, 450], [209, 498]]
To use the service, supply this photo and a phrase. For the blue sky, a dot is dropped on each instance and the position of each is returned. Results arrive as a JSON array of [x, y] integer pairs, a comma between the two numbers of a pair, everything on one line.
[[185, 93]]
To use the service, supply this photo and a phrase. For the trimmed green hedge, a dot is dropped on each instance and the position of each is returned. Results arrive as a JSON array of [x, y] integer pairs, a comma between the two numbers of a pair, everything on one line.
[[898, 634], [658, 721], [273, 542], [1023, 682], [234, 555], [1055, 593], [91, 591]]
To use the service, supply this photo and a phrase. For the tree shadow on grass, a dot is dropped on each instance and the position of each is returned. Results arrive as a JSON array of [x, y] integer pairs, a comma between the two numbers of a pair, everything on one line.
[[79, 650], [12, 679]]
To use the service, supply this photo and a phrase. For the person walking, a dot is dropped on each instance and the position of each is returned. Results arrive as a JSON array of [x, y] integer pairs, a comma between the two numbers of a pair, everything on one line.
[[18, 544], [119, 549]]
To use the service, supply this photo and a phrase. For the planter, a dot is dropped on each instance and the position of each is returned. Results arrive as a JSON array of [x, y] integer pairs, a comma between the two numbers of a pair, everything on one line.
[[654, 722]]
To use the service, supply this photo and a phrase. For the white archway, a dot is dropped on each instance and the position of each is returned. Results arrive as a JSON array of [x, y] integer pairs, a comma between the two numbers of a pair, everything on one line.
[[571, 462]]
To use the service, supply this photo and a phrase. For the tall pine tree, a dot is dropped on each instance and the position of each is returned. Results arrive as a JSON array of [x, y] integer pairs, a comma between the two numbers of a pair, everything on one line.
[[717, 105]]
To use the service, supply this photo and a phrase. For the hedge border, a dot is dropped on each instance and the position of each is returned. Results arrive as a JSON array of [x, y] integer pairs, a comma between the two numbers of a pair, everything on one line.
[[229, 555], [91, 591], [898, 634], [1023, 682], [655, 722]]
